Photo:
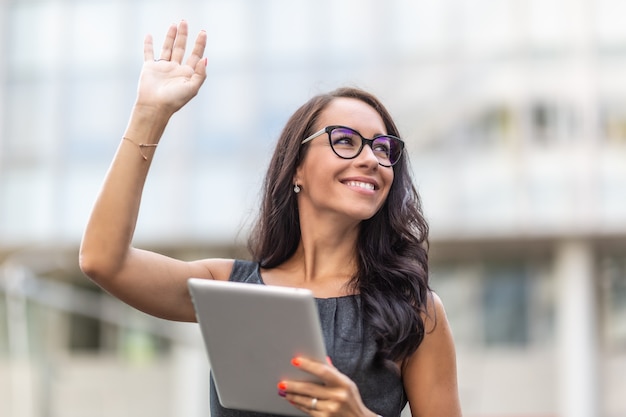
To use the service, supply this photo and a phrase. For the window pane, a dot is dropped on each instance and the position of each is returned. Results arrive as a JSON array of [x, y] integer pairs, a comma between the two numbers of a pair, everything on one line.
[[26, 205], [36, 36], [613, 272], [610, 27], [613, 121], [230, 29], [95, 38], [488, 25], [31, 123], [289, 30], [459, 287], [421, 27], [547, 23], [94, 118], [505, 299]]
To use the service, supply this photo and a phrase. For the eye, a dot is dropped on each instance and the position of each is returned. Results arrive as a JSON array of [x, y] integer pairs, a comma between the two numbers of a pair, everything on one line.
[[382, 146], [343, 140], [342, 137]]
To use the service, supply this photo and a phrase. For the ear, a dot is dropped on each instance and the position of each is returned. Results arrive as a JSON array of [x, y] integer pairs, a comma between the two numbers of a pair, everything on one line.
[[297, 177]]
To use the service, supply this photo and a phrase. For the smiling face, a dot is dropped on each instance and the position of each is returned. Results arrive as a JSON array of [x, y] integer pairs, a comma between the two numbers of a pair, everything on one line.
[[356, 188]]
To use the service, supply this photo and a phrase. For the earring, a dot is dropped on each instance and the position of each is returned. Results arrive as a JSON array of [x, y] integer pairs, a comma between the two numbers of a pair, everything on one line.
[[296, 188]]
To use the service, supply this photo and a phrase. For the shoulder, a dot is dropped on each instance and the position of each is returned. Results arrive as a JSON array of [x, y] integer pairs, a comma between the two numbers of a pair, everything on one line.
[[435, 312], [433, 366]]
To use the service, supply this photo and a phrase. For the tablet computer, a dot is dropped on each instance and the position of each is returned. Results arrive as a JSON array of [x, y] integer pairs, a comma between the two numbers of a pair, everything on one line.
[[251, 333]]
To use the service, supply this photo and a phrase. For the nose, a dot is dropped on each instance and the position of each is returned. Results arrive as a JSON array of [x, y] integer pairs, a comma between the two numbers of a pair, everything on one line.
[[367, 156]]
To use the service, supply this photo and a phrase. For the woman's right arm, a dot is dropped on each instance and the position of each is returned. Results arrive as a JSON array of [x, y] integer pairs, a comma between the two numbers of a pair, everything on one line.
[[151, 282]]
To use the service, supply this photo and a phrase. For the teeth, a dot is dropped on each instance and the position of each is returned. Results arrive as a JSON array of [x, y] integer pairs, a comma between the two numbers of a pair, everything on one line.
[[365, 185]]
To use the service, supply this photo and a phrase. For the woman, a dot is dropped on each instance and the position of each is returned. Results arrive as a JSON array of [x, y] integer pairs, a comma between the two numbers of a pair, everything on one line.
[[340, 216]]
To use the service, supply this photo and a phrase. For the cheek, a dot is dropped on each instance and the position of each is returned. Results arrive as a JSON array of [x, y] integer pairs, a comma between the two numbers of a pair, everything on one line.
[[389, 181], [317, 171]]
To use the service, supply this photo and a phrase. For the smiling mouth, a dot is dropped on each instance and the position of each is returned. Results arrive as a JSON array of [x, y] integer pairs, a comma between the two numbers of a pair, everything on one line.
[[359, 184]]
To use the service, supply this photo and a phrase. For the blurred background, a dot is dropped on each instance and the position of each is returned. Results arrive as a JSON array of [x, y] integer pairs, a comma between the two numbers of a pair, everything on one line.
[[514, 113]]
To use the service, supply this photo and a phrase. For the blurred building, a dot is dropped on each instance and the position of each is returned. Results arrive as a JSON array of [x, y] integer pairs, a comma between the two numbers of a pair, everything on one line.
[[515, 116]]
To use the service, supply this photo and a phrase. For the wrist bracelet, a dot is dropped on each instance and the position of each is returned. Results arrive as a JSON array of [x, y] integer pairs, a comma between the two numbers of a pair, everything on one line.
[[141, 146]]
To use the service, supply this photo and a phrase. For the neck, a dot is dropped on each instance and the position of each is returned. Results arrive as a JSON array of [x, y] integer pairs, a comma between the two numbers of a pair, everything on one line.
[[326, 256]]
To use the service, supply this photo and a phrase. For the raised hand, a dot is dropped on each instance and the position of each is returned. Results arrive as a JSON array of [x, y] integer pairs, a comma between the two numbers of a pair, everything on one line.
[[166, 83]]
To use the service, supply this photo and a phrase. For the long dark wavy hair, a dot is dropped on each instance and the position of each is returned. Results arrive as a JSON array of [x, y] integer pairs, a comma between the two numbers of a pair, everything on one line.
[[392, 246]]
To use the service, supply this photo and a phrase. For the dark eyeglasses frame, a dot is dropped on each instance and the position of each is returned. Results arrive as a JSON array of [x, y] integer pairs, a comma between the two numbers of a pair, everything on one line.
[[364, 141]]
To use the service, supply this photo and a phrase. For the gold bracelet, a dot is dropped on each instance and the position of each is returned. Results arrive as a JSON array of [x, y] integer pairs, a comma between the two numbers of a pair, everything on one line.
[[141, 146]]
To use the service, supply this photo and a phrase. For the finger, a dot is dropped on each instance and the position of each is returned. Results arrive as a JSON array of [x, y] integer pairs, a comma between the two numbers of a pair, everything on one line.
[[304, 402], [199, 72], [198, 50], [180, 43], [168, 43], [327, 373], [302, 390], [148, 48]]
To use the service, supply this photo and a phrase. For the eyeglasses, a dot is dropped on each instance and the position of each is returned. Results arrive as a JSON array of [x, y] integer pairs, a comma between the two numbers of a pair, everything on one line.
[[348, 143]]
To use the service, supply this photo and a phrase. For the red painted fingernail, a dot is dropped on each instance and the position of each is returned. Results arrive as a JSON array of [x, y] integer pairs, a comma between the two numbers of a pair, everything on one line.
[[330, 362], [282, 393], [296, 362], [282, 386]]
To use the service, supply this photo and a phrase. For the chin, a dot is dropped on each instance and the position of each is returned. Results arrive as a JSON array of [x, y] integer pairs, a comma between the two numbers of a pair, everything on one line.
[[362, 215]]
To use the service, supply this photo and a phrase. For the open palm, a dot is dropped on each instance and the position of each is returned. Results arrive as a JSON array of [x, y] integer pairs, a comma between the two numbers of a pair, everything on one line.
[[167, 83]]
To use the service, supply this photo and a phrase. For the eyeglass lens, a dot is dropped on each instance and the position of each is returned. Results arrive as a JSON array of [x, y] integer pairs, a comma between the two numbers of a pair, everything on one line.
[[347, 143]]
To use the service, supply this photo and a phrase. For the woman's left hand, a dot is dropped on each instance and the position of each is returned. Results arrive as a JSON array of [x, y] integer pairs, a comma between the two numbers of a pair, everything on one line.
[[339, 396]]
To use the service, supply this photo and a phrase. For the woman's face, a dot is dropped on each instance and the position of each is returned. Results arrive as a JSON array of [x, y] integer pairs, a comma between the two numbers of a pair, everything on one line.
[[356, 188]]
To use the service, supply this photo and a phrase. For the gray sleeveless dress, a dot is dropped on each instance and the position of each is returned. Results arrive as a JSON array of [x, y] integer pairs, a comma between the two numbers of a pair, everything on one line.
[[348, 343]]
